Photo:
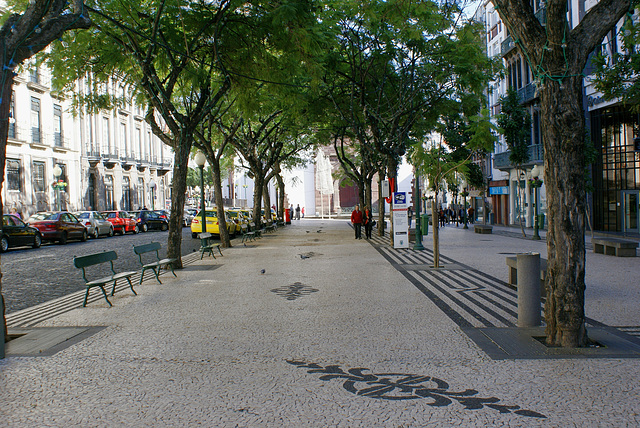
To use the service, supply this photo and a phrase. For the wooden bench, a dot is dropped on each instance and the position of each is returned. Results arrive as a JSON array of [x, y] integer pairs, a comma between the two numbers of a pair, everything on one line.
[[512, 264], [257, 232], [206, 244], [247, 235], [156, 262], [84, 262], [614, 247], [482, 228]]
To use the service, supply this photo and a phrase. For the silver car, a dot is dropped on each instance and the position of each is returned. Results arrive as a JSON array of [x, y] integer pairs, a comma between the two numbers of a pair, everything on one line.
[[95, 223]]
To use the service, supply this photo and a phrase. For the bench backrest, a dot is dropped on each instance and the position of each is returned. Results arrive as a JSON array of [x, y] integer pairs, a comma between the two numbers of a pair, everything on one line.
[[152, 247], [94, 259], [83, 262], [205, 235]]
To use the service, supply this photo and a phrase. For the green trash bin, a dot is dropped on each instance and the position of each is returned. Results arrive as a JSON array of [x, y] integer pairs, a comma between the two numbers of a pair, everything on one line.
[[540, 221], [425, 224]]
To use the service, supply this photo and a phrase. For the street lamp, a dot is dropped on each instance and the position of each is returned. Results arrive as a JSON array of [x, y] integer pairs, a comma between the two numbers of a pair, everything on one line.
[[201, 159], [536, 183], [57, 172], [152, 186], [418, 245]]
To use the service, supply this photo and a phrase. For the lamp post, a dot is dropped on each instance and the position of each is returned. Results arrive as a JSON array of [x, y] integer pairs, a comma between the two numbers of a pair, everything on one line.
[[464, 195], [535, 173], [418, 245], [57, 172], [201, 159], [152, 186]]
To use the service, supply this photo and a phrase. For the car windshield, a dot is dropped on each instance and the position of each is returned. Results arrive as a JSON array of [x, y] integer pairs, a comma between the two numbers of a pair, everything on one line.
[[208, 214], [44, 216], [232, 214], [83, 215], [110, 215]]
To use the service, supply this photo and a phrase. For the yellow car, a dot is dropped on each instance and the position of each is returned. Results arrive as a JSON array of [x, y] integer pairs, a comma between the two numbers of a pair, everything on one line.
[[211, 216], [238, 218]]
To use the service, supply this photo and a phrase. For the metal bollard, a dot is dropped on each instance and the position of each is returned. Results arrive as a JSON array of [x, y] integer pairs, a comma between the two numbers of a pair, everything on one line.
[[528, 265]]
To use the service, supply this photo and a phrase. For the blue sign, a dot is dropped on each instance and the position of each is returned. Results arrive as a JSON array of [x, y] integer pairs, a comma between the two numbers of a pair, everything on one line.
[[503, 190], [399, 198]]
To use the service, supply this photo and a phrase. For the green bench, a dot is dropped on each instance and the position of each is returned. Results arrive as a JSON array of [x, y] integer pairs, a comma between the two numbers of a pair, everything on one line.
[[271, 227], [206, 244], [247, 235], [84, 262], [147, 251], [257, 232]]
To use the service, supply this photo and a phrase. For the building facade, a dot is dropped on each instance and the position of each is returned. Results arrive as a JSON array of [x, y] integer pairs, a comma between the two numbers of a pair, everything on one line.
[[108, 160]]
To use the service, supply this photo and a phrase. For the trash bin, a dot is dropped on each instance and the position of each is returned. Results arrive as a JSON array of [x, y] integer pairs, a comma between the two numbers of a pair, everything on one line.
[[540, 221], [425, 224], [287, 216]]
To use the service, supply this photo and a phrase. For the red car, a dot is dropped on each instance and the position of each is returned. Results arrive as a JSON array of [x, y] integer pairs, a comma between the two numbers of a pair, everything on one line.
[[59, 226], [122, 221]]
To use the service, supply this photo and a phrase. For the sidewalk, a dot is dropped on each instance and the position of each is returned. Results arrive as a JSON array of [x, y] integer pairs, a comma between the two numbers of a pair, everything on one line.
[[331, 334]]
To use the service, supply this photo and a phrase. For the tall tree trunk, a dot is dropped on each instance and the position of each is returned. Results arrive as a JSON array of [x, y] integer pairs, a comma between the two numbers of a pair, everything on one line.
[[436, 237], [367, 192], [392, 170], [258, 187], [178, 195], [563, 133], [225, 241], [280, 181], [5, 107], [266, 197]]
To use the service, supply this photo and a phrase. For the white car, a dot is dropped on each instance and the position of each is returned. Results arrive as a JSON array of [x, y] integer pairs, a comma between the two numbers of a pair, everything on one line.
[[95, 223]]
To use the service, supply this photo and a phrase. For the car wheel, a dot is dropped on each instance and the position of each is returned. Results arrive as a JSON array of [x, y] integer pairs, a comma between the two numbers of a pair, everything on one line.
[[144, 228], [95, 235], [84, 236], [164, 227], [4, 244], [37, 241], [110, 232], [136, 230], [63, 238]]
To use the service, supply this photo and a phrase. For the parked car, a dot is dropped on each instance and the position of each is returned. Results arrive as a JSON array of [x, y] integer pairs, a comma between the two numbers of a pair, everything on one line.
[[58, 226], [213, 227], [150, 220], [95, 223], [189, 214], [16, 233], [122, 221], [237, 217]]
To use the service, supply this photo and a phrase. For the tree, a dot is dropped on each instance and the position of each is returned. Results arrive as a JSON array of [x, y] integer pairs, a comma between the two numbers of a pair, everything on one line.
[[515, 124], [21, 37], [557, 55]]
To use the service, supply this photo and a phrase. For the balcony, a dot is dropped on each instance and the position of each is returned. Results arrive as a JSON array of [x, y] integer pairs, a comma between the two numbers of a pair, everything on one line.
[[507, 46], [110, 157], [527, 93], [536, 156]]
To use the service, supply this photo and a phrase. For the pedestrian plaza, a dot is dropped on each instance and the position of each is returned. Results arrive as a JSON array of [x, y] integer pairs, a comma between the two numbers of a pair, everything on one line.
[[308, 327]]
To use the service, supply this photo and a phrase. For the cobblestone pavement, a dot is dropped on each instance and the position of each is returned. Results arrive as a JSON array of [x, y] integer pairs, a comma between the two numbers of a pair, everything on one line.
[[34, 276], [307, 327]]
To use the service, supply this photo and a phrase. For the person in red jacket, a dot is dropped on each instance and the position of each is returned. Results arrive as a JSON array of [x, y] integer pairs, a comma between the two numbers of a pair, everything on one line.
[[356, 219]]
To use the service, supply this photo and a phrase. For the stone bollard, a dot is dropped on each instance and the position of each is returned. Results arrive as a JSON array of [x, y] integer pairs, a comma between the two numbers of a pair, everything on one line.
[[528, 265]]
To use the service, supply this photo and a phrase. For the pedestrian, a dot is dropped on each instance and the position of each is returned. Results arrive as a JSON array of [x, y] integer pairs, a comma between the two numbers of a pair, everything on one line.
[[14, 212], [302, 212], [368, 222], [441, 215], [298, 212], [471, 212], [454, 217], [356, 220], [410, 215], [292, 213]]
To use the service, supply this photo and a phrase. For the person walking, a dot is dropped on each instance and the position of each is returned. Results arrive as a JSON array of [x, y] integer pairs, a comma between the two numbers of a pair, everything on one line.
[[368, 222], [410, 215], [298, 212], [356, 220]]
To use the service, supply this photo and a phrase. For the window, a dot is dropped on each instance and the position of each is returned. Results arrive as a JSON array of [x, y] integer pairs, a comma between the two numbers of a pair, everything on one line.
[[108, 186], [106, 136], [35, 120], [124, 143], [126, 194], [57, 125], [140, 192], [38, 176], [34, 75], [12, 116], [14, 169]]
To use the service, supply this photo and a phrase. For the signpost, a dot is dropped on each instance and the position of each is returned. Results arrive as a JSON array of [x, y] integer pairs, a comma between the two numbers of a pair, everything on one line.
[[400, 220]]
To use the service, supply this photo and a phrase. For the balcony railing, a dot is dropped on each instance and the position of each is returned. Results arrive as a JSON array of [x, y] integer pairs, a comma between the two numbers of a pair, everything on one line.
[[507, 46], [527, 93], [536, 156]]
